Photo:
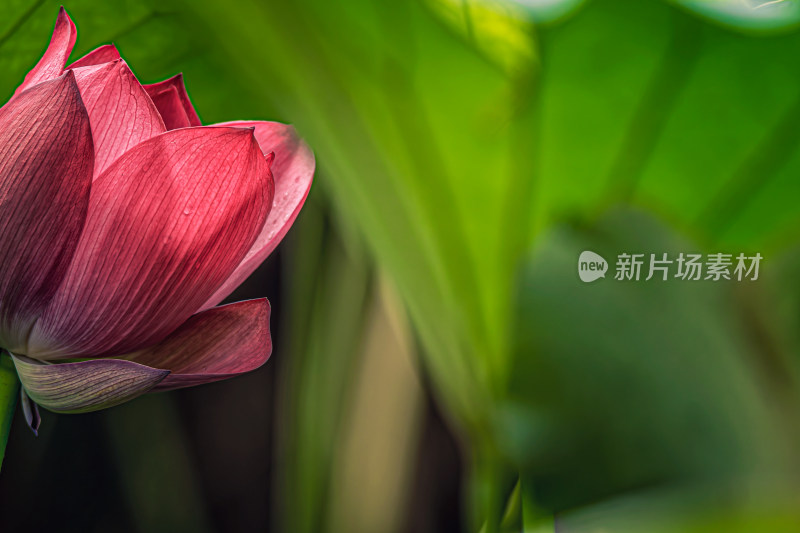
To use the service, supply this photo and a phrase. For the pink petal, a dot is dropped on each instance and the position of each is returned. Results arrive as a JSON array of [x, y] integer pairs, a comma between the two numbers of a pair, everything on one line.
[[55, 57], [120, 112], [98, 56], [173, 103], [213, 345], [293, 169], [45, 176], [169, 104], [87, 385], [168, 222]]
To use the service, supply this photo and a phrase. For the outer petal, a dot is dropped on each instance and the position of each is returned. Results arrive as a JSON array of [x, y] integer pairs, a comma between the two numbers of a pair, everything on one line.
[[98, 56], [213, 345], [45, 176], [173, 103], [55, 57], [85, 386], [120, 112], [293, 169], [168, 222]]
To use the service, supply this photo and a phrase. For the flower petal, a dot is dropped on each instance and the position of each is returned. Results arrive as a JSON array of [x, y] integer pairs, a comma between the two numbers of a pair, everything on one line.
[[213, 345], [293, 169], [30, 411], [45, 176], [173, 103], [87, 385], [168, 222], [120, 111], [55, 57], [98, 56]]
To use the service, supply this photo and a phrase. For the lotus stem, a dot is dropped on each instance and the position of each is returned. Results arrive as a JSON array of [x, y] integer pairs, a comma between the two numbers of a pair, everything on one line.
[[9, 392]]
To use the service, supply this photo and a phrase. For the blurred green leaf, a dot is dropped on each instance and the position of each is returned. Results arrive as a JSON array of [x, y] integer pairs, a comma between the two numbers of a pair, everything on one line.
[[534, 519], [327, 301], [497, 28], [624, 385], [9, 391], [643, 102], [749, 15], [549, 11], [373, 478], [780, 307], [689, 511]]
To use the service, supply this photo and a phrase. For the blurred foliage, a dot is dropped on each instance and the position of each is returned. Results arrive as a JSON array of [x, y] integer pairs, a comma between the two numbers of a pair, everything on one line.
[[670, 384], [450, 135], [748, 15], [329, 281], [698, 511], [9, 385], [381, 436], [549, 11], [499, 29]]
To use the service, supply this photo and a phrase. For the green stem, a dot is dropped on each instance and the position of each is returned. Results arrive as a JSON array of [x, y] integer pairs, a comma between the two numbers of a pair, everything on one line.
[[488, 487], [9, 392]]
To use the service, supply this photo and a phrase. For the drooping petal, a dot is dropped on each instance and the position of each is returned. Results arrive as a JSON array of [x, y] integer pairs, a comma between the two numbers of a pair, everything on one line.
[[55, 57], [213, 345], [168, 222], [87, 385], [173, 103], [45, 175], [98, 56], [121, 113], [30, 411], [293, 169]]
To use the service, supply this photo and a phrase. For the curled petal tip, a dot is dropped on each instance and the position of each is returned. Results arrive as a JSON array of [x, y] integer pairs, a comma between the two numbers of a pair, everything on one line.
[[270, 158], [102, 54], [121, 113], [245, 135], [55, 56], [250, 134]]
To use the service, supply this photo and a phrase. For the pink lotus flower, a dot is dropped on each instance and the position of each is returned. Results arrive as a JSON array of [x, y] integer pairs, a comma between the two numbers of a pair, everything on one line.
[[124, 222]]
